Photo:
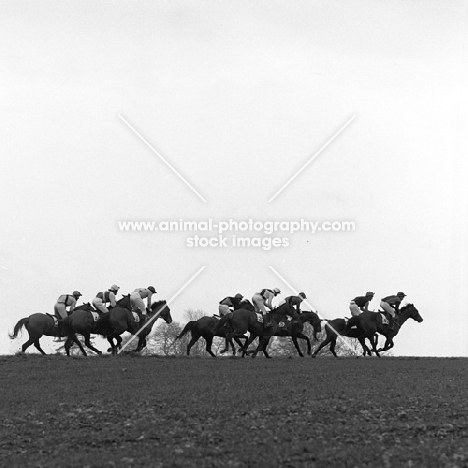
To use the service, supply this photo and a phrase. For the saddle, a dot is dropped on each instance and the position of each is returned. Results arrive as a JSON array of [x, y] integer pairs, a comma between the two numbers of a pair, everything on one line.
[[385, 317], [54, 318]]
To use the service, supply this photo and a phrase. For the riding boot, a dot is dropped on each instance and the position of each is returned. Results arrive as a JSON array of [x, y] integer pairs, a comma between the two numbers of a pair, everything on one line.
[[267, 321], [60, 331]]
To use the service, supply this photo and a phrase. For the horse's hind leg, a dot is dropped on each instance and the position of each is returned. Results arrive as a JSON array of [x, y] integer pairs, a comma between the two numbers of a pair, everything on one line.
[[194, 339], [209, 342], [324, 343], [38, 346], [89, 345], [27, 344]]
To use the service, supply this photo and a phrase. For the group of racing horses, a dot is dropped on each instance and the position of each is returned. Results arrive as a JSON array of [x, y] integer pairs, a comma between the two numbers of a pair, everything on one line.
[[285, 321]]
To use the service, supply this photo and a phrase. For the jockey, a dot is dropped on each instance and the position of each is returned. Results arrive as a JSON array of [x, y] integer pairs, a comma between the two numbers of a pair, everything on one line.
[[228, 304], [64, 301], [360, 304], [136, 300], [294, 301], [391, 305], [263, 299], [103, 297]]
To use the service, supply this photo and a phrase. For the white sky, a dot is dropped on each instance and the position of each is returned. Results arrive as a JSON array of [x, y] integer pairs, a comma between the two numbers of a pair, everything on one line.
[[237, 95]]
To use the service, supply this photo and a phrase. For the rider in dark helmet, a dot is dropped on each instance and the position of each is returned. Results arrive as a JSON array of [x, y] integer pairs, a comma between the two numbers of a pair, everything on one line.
[[228, 304], [391, 304], [294, 301], [360, 304]]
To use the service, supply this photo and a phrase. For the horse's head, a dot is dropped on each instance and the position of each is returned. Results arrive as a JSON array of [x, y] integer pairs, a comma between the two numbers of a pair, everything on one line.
[[288, 309], [85, 306], [165, 311], [246, 304], [314, 320], [124, 301], [412, 312]]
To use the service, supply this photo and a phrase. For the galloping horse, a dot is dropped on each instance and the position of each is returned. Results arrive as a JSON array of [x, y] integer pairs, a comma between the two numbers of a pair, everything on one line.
[[243, 321], [39, 325], [295, 329], [120, 320], [82, 322], [370, 323], [206, 327]]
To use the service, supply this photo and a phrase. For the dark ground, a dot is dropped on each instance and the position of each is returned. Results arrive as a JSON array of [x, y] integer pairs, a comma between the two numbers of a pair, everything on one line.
[[203, 412]]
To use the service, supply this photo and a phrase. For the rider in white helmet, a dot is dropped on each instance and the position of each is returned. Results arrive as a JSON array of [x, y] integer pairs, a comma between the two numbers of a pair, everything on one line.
[[263, 299], [60, 308], [136, 300], [104, 297]]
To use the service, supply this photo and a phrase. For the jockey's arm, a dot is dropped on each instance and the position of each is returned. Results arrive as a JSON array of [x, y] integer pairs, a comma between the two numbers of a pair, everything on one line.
[[148, 300], [268, 303], [72, 305]]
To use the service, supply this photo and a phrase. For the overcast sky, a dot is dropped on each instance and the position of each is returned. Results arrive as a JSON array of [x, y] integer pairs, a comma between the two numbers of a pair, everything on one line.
[[237, 96]]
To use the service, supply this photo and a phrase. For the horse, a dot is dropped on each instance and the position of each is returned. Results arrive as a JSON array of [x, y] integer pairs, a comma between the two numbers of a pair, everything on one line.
[[206, 327], [295, 329], [120, 320], [82, 322], [39, 325], [369, 323], [243, 320], [335, 328]]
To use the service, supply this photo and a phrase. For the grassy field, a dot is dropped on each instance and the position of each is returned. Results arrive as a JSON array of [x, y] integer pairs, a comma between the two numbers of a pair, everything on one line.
[[203, 412]]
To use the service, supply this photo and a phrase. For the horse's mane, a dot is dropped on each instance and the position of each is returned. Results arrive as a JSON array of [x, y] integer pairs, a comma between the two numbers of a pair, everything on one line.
[[158, 303], [406, 307]]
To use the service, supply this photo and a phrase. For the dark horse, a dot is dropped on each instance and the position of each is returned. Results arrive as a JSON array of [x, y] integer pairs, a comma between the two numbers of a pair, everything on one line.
[[295, 329], [206, 327], [120, 320], [39, 325], [82, 322], [334, 329], [242, 321], [370, 323]]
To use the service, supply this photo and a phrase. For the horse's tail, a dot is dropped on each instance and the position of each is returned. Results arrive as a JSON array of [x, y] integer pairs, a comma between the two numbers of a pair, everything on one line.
[[23, 322], [188, 328]]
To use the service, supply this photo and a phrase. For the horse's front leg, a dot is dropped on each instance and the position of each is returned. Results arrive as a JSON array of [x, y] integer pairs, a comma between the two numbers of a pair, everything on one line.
[[78, 343], [365, 349], [260, 347], [247, 343], [296, 345], [113, 348], [388, 344], [265, 346], [373, 341]]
